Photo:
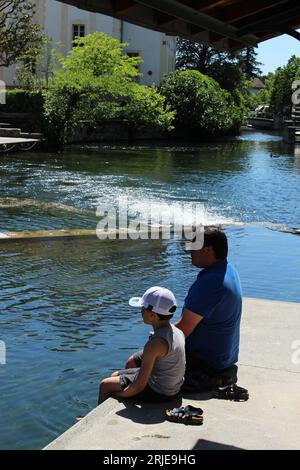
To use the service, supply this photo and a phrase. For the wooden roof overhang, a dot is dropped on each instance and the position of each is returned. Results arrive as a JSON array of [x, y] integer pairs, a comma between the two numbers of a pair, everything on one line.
[[223, 24]]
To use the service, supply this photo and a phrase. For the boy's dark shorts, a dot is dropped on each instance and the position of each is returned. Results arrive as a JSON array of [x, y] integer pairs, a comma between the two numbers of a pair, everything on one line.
[[127, 376]]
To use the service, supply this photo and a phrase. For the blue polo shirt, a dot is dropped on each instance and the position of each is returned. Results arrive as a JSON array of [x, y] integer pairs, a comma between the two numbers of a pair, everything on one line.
[[216, 295]]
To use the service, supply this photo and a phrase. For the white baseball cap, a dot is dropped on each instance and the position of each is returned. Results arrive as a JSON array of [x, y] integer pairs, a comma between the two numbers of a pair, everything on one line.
[[157, 299]]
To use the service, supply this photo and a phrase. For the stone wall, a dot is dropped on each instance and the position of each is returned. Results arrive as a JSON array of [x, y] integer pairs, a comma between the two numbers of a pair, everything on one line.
[[116, 132]]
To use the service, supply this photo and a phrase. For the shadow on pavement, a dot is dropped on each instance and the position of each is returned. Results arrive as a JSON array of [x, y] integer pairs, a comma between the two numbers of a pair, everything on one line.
[[147, 413]]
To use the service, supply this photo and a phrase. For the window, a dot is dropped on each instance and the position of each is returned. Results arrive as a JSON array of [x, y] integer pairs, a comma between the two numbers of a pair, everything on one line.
[[135, 54], [78, 30]]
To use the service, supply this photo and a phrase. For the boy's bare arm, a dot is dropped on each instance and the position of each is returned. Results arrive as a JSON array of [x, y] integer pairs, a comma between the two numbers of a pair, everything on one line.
[[153, 350]]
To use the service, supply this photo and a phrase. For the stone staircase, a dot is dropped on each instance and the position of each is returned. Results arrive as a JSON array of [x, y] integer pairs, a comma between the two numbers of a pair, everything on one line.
[[8, 130]]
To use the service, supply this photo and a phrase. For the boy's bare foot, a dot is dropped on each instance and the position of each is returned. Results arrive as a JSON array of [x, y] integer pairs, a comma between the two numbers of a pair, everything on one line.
[[79, 418]]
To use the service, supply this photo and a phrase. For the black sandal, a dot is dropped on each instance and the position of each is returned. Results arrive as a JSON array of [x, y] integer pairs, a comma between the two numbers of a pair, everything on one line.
[[186, 415], [232, 393]]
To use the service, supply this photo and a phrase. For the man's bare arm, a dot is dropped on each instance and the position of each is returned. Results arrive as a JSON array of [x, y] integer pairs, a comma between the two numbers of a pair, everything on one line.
[[188, 321]]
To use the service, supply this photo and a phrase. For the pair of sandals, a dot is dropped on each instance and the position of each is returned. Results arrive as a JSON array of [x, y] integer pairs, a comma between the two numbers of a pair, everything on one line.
[[186, 415]]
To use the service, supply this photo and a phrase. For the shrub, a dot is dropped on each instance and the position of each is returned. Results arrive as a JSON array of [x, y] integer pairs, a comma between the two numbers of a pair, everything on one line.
[[146, 107], [22, 101], [97, 83], [202, 106]]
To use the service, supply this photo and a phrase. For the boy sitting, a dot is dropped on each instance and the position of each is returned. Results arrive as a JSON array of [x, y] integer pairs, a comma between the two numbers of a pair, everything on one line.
[[159, 373]]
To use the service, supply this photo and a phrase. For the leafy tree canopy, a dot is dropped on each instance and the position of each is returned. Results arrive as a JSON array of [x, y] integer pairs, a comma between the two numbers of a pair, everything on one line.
[[227, 69], [247, 61], [201, 105], [97, 82], [35, 72], [280, 95], [18, 34], [278, 86]]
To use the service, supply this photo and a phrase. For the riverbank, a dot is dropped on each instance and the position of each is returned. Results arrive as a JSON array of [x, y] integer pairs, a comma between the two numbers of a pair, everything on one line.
[[269, 420]]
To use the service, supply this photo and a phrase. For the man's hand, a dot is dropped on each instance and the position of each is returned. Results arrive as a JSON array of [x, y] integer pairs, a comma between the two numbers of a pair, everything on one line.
[[188, 321]]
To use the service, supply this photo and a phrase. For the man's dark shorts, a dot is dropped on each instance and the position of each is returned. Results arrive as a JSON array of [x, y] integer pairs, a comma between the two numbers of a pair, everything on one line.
[[200, 377]]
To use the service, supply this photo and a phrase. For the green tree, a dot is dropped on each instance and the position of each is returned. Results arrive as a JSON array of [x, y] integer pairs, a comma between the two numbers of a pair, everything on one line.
[[202, 106], [35, 72], [264, 96], [245, 96], [281, 91], [222, 66], [231, 71], [247, 61], [97, 82], [18, 34]]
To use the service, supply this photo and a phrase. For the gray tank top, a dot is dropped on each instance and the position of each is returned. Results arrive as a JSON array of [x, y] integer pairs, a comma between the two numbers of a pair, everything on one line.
[[167, 375]]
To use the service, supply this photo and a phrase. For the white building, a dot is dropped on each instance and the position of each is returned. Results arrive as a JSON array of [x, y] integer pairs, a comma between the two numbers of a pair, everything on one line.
[[62, 23]]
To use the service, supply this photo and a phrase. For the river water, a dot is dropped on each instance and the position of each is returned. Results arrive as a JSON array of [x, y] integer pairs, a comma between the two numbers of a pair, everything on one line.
[[64, 315]]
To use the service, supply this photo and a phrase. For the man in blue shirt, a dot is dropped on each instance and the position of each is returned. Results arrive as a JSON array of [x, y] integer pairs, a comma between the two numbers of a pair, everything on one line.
[[211, 319]]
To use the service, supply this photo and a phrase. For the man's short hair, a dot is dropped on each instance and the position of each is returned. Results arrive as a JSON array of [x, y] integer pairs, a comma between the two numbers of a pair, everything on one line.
[[217, 239]]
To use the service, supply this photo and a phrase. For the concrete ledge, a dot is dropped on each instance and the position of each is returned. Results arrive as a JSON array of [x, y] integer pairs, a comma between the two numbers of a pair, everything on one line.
[[269, 420], [16, 140], [36, 235], [45, 235]]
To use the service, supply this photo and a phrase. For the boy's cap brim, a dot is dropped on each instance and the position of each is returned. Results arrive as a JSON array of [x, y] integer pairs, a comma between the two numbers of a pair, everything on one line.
[[156, 299], [136, 302]]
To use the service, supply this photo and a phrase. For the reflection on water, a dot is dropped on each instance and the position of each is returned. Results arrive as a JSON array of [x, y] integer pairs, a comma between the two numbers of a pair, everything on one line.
[[234, 181], [65, 316]]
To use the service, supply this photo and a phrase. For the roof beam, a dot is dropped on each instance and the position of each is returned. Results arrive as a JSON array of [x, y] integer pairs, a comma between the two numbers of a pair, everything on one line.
[[243, 22], [190, 15], [292, 32], [123, 5], [271, 23], [91, 5], [163, 19], [246, 9], [209, 6]]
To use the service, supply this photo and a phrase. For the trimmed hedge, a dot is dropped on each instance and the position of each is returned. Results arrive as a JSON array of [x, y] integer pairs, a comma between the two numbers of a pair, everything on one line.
[[22, 101]]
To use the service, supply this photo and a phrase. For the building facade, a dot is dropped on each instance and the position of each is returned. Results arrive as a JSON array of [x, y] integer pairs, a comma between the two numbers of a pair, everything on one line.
[[62, 23]]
